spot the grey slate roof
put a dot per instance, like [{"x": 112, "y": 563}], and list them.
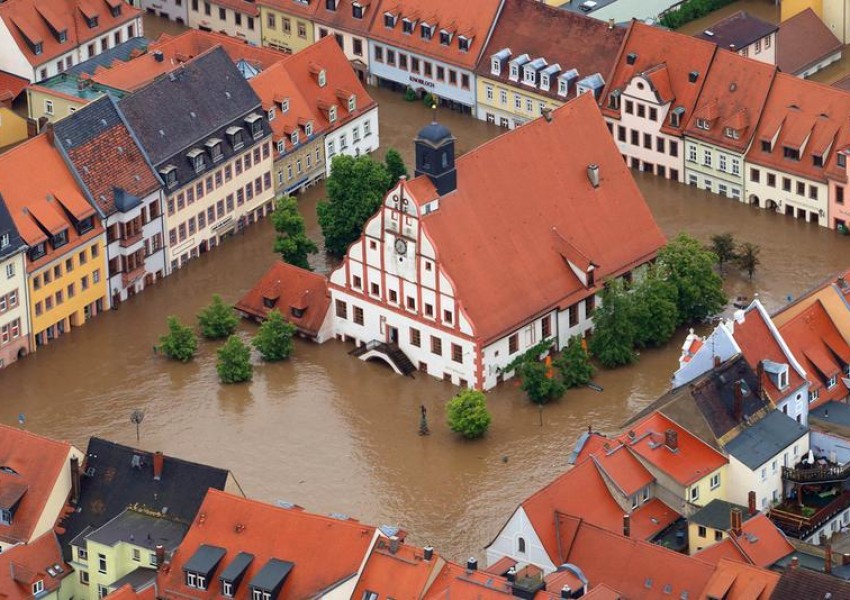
[
  {"x": 188, "y": 105},
  {"x": 271, "y": 576},
  {"x": 137, "y": 579},
  {"x": 87, "y": 123},
  {"x": 105, "y": 59},
  {"x": 234, "y": 571},
  {"x": 7, "y": 225},
  {"x": 205, "y": 559},
  {"x": 757, "y": 444},
  {"x": 832, "y": 412},
  {"x": 716, "y": 514},
  {"x": 142, "y": 530}
]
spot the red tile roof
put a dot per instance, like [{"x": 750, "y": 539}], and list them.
[
  {"x": 455, "y": 581},
  {"x": 43, "y": 199},
  {"x": 325, "y": 551},
  {"x": 495, "y": 217},
  {"x": 693, "y": 460},
  {"x": 343, "y": 16},
  {"x": 294, "y": 79},
  {"x": 562, "y": 37},
  {"x": 11, "y": 86},
  {"x": 736, "y": 88},
  {"x": 761, "y": 544},
  {"x": 665, "y": 58},
  {"x": 798, "y": 109},
  {"x": 724, "y": 550},
  {"x": 815, "y": 341},
  {"x": 757, "y": 341},
  {"x": 31, "y": 464},
  {"x": 141, "y": 70},
  {"x": 637, "y": 569},
  {"x": 803, "y": 41},
  {"x": 128, "y": 593},
  {"x": 24, "y": 565},
  {"x": 735, "y": 581},
  {"x": 288, "y": 286},
  {"x": 474, "y": 20},
  {"x": 626, "y": 471},
  {"x": 27, "y": 20},
  {"x": 401, "y": 574}
]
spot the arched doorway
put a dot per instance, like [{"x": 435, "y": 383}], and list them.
[
  {"x": 771, "y": 205},
  {"x": 754, "y": 201}
]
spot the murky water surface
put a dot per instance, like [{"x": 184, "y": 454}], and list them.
[{"x": 337, "y": 435}]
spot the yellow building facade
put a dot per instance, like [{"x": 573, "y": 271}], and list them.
[
  {"x": 509, "y": 106},
  {"x": 13, "y": 127},
  {"x": 283, "y": 28},
  {"x": 51, "y": 103},
  {"x": 789, "y": 8}
]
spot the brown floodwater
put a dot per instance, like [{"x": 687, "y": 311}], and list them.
[{"x": 334, "y": 434}]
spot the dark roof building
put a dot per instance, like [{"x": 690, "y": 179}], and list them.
[
  {"x": 715, "y": 514},
  {"x": 737, "y": 31},
  {"x": 123, "y": 52},
  {"x": 803, "y": 584},
  {"x": 804, "y": 42},
  {"x": 11, "y": 241},
  {"x": 763, "y": 440},
  {"x": 115, "y": 477}
]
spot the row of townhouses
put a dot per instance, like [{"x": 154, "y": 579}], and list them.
[
  {"x": 130, "y": 188},
  {"x": 122, "y": 523}
]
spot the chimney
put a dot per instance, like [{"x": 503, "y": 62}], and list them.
[
  {"x": 759, "y": 377},
  {"x": 593, "y": 174},
  {"x": 627, "y": 526},
  {"x": 472, "y": 564},
  {"x": 671, "y": 439},
  {"x": 160, "y": 556},
  {"x": 738, "y": 403},
  {"x": 693, "y": 76},
  {"x": 547, "y": 114},
  {"x": 795, "y": 562},
  {"x": 157, "y": 56},
  {"x": 610, "y": 24},
  {"x": 716, "y": 361},
  {"x": 394, "y": 544},
  {"x": 751, "y": 503},
  {"x": 566, "y": 592},
  {"x": 511, "y": 575},
  {"x": 158, "y": 462},
  {"x": 428, "y": 552},
  {"x": 48, "y": 131},
  {"x": 736, "y": 519},
  {"x": 75, "y": 479},
  {"x": 827, "y": 559}
]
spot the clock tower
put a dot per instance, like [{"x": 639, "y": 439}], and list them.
[{"x": 435, "y": 156}]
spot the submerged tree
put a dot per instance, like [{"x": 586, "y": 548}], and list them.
[
  {"x": 654, "y": 310},
  {"x": 614, "y": 332},
  {"x": 217, "y": 320},
  {"x": 395, "y": 166},
  {"x": 690, "y": 267},
  {"x": 467, "y": 414},
  {"x": 723, "y": 246},
  {"x": 180, "y": 343},
  {"x": 274, "y": 337},
  {"x": 574, "y": 364},
  {"x": 748, "y": 258},
  {"x": 234, "y": 361},
  {"x": 292, "y": 242}
]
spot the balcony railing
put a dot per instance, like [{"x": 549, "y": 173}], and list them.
[
  {"x": 825, "y": 474},
  {"x": 129, "y": 240},
  {"x": 790, "y": 518},
  {"x": 130, "y": 277}
]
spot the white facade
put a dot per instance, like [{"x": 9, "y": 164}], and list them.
[
  {"x": 623, "y": 11},
  {"x": 353, "y": 138},
  {"x": 820, "y": 65},
  {"x": 831, "y": 445},
  {"x": 714, "y": 169},
  {"x": 14, "y": 307},
  {"x": 135, "y": 250},
  {"x": 762, "y": 49},
  {"x": 638, "y": 131},
  {"x": 12, "y": 60},
  {"x": 766, "y": 479},
  {"x": 518, "y": 534},
  {"x": 355, "y": 47},
  {"x": 206, "y": 15},
  {"x": 175, "y": 10},
  {"x": 787, "y": 194}
]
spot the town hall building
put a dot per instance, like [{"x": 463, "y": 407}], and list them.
[{"x": 478, "y": 259}]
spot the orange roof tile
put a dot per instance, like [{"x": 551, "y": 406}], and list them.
[
  {"x": 802, "y": 41},
  {"x": 454, "y": 581},
  {"x": 12, "y": 85},
  {"x": 401, "y": 574},
  {"x": 325, "y": 551},
  {"x": 815, "y": 341},
  {"x": 733, "y": 96},
  {"x": 603, "y": 592},
  {"x": 495, "y": 217},
  {"x": 343, "y": 17},
  {"x": 735, "y": 581},
  {"x": 693, "y": 460},
  {"x": 27, "y": 21},
  {"x": 475, "y": 20},
  {"x": 32, "y": 463},
  {"x": 761, "y": 543},
  {"x": 623, "y": 469},
  {"x": 36, "y": 202},
  {"x": 724, "y": 550},
  {"x": 287, "y": 287},
  {"x": 666, "y": 59},
  {"x": 24, "y": 565},
  {"x": 128, "y": 593},
  {"x": 798, "y": 108}
]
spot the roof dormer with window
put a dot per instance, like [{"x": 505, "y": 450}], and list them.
[
  {"x": 198, "y": 570},
  {"x": 408, "y": 25},
  {"x": 565, "y": 82},
  {"x": 426, "y": 31},
  {"x": 498, "y": 59},
  {"x": 169, "y": 175},
  {"x": 213, "y": 146},
  {"x": 357, "y": 10},
  {"x": 445, "y": 37},
  {"x": 331, "y": 4},
  {"x": 516, "y": 65},
  {"x": 196, "y": 159},
  {"x": 255, "y": 124},
  {"x": 390, "y": 20}
]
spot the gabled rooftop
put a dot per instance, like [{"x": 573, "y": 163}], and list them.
[
  {"x": 804, "y": 40},
  {"x": 733, "y": 580},
  {"x": 343, "y": 16},
  {"x": 23, "y": 566},
  {"x": 756, "y": 444},
  {"x": 737, "y": 31},
  {"x": 761, "y": 544}
]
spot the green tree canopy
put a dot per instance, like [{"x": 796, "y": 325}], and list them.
[
  {"x": 356, "y": 188},
  {"x": 537, "y": 384},
  {"x": 234, "y": 361},
  {"x": 292, "y": 242},
  {"x": 748, "y": 258},
  {"x": 180, "y": 343},
  {"x": 274, "y": 337},
  {"x": 654, "y": 310},
  {"x": 467, "y": 414},
  {"x": 614, "y": 331},
  {"x": 217, "y": 320},
  {"x": 395, "y": 166},
  {"x": 690, "y": 267},
  {"x": 723, "y": 246},
  {"x": 574, "y": 364}
]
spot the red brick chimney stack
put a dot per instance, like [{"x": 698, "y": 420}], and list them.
[{"x": 158, "y": 463}]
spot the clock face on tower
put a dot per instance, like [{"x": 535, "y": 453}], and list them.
[{"x": 400, "y": 246}]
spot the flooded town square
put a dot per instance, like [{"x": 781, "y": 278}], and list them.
[{"x": 333, "y": 434}]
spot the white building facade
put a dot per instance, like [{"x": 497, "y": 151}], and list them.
[
  {"x": 352, "y": 136},
  {"x": 14, "y": 304}
]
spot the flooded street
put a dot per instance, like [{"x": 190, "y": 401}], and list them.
[{"x": 333, "y": 434}]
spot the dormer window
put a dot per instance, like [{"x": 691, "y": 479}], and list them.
[
  {"x": 356, "y": 11},
  {"x": 296, "y": 312},
  {"x": 733, "y": 134},
  {"x": 60, "y": 239},
  {"x": 407, "y": 25},
  {"x": 817, "y": 161},
  {"x": 783, "y": 379},
  {"x": 169, "y": 176},
  {"x": 62, "y": 36},
  {"x": 332, "y": 114},
  {"x": 308, "y": 128},
  {"x": 330, "y": 4},
  {"x": 676, "y": 116},
  {"x": 766, "y": 146},
  {"x": 4, "y": 240},
  {"x": 323, "y": 80},
  {"x": 271, "y": 113},
  {"x": 255, "y": 123},
  {"x": 544, "y": 81},
  {"x": 390, "y": 20},
  {"x": 91, "y": 22},
  {"x": 792, "y": 153},
  {"x": 236, "y": 136},
  {"x": 115, "y": 10},
  {"x": 196, "y": 159},
  {"x": 284, "y": 106},
  {"x": 294, "y": 138},
  {"x": 281, "y": 147},
  {"x": 464, "y": 43},
  {"x": 214, "y": 148},
  {"x": 426, "y": 31},
  {"x": 614, "y": 100},
  {"x": 514, "y": 72},
  {"x": 38, "y": 587},
  {"x": 352, "y": 104},
  {"x": 269, "y": 302},
  {"x": 37, "y": 48},
  {"x": 85, "y": 225},
  {"x": 35, "y": 252},
  {"x": 529, "y": 76},
  {"x": 496, "y": 66},
  {"x": 831, "y": 382},
  {"x": 703, "y": 124},
  {"x": 445, "y": 37},
  {"x": 563, "y": 87},
  {"x": 842, "y": 160}
]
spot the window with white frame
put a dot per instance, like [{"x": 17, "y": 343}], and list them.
[
  {"x": 48, "y": 107},
  {"x": 271, "y": 113},
  {"x": 352, "y": 104},
  {"x": 694, "y": 495},
  {"x": 281, "y": 146},
  {"x": 692, "y": 153},
  {"x": 562, "y": 87},
  {"x": 721, "y": 162},
  {"x": 308, "y": 128},
  {"x": 323, "y": 79},
  {"x": 495, "y": 66},
  {"x": 284, "y": 105},
  {"x": 714, "y": 482},
  {"x": 831, "y": 382},
  {"x": 706, "y": 157},
  {"x": 514, "y": 72},
  {"x": 703, "y": 124},
  {"x": 332, "y": 114},
  {"x": 294, "y": 138}
]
